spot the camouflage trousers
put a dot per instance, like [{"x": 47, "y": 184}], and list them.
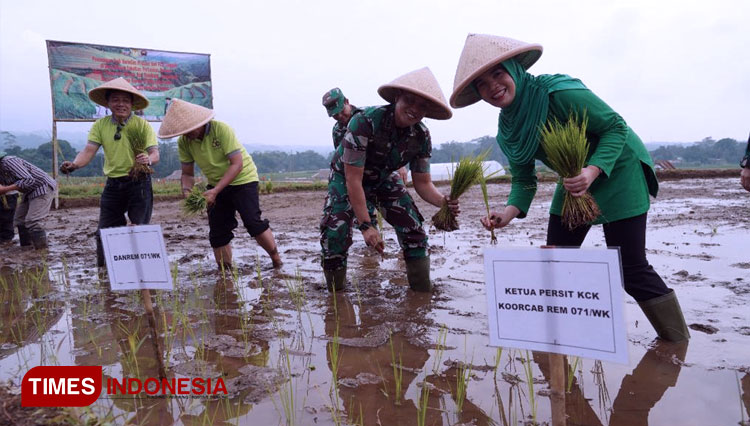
[{"x": 396, "y": 206}]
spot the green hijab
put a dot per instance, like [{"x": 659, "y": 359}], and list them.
[{"x": 519, "y": 123}]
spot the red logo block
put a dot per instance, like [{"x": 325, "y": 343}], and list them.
[{"x": 61, "y": 386}]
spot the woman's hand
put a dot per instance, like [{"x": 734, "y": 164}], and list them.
[
  {"x": 578, "y": 185},
  {"x": 500, "y": 220}
]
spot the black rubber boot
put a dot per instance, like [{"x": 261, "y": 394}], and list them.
[
  {"x": 335, "y": 279},
  {"x": 39, "y": 239},
  {"x": 24, "y": 238},
  {"x": 665, "y": 315},
  {"x": 100, "y": 262},
  {"x": 418, "y": 274}
]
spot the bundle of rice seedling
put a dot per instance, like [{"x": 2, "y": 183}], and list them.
[
  {"x": 137, "y": 137},
  {"x": 195, "y": 203},
  {"x": 566, "y": 147},
  {"x": 468, "y": 172},
  {"x": 483, "y": 183}
]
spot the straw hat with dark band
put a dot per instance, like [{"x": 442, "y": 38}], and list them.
[
  {"x": 481, "y": 53},
  {"x": 183, "y": 117},
  {"x": 424, "y": 84},
  {"x": 99, "y": 94}
]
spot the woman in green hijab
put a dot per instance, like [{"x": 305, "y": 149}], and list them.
[{"x": 619, "y": 171}]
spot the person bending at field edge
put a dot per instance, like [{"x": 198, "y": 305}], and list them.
[{"x": 231, "y": 173}]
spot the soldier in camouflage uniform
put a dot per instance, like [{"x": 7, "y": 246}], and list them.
[
  {"x": 338, "y": 107},
  {"x": 379, "y": 141},
  {"x": 341, "y": 110}
]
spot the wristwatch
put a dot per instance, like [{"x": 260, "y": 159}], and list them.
[
  {"x": 364, "y": 226},
  {"x": 745, "y": 163}
]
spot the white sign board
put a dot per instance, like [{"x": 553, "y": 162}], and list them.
[
  {"x": 136, "y": 258},
  {"x": 567, "y": 301}
]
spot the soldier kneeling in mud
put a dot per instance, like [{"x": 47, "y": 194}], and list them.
[{"x": 379, "y": 141}]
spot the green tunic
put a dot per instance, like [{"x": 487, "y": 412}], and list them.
[{"x": 622, "y": 189}]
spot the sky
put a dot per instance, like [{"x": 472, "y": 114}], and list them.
[{"x": 675, "y": 70}]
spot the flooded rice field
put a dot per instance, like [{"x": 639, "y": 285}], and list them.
[{"x": 377, "y": 353}]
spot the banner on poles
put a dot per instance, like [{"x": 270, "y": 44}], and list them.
[
  {"x": 76, "y": 68},
  {"x": 566, "y": 301},
  {"x": 136, "y": 258}
]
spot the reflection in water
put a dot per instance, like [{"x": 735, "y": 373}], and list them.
[
  {"x": 28, "y": 310},
  {"x": 639, "y": 392},
  {"x": 646, "y": 385},
  {"x": 381, "y": 372}
]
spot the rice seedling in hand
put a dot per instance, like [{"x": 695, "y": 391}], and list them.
[
  {"x": 468, "y": 172},
  {"x": 195, "y": 203},
  {"x": 483, "y": 184},
  {"x": 566, "y": 148},
  {"x": 137, "y": 138}
]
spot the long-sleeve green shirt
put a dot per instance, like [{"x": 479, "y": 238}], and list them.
[{"x": 622, "y": 189}]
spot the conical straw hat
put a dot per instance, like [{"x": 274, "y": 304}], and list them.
[
  {"x": 98, "y": 94},
  {"x": 183, "y": 117},
  {"x": 422, "y": 83},
  {"x": 481, "y": 53}
]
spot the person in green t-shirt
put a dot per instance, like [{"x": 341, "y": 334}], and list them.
[
  {"x": 122, "y": 193},
  {"x": 619, "y": 173},
  {"x": 231, "y": 174}
]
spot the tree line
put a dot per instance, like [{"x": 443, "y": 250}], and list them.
[{"x": 708, "y": 152}]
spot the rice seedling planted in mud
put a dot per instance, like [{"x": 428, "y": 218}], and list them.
[
  {"x": 137, "y": 137},
  {"x": 424, "y": 398},
  {"x": 528, "y": 369},
  {"x": 566, "y": 148},
  {"x": 440, "y": 346},
  {"x": 195, "y": 203},
  {"x": 398, "y": 371},
  {"x": 468, "y": 172}
]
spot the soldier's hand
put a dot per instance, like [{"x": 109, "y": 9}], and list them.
[
  {"x": 372, "y": 239},
  {"x": 403, "y": 174},
  {"x": 452, "y": 205},
  {"x": 67, "y": 167}
]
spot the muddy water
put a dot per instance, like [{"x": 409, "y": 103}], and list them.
[{"x": 377, "y": 353}]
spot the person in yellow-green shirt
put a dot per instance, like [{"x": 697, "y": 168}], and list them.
[
  {"x": 231, "y": 174},
  {"x": 122, "y": 194}
]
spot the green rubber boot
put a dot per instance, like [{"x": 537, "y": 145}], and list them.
[
  {"x": 335, "y": 279},
  {"x": 665, "y": 315},
  {"x": 418, "y": 274}
]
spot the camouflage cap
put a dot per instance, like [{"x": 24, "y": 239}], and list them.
[{"x": 333, "y": 100}]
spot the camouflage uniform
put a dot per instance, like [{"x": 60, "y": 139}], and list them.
[
  {"x": 339, "y": 131},
  {"x": 374, "y": 142}
]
